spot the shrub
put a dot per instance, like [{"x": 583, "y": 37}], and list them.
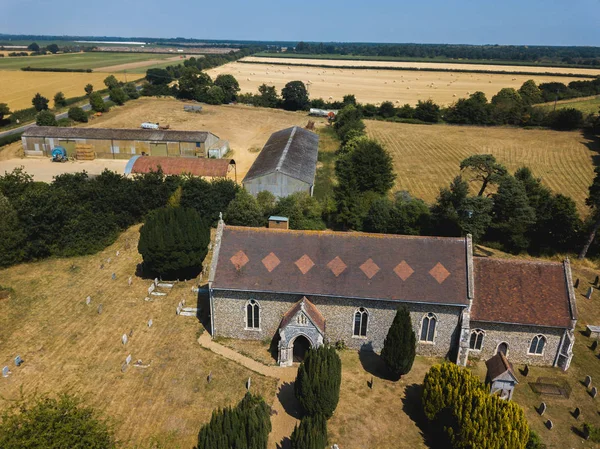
[
  {"x": 592, "y": 431},
  {"x": 427, "y": 111},
  {"x": 55, "y": 423},
  {"x": 46, "y": 118},
  {"x": 78, "y": 114},
  {"x": 131, "y": 91},
  {"x": 64, "y": 122},
  {"x": 245, "y": 426},
  {"x": 118, "y": 96},
  {"x": 565, "y": 119},
  {"x": 317, "y": 385},
  {"x": 311, "y": 434},
  {"x": 399, "y": 347},
  {"x": 215, "y": 95},
  {"x": 10, "y": 139},
  {"x": 97, "y": 103},
  {"x": 173, "y": 243},
  {"x": 244, "y": 211},
  {"x": 40, "y": 103},
  {"x": 4, "y": 110}
]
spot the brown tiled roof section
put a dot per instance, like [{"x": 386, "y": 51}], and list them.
[
  {"x": 154, "y": 135},
  {"x": 310, "y": 309},
  {"x": 521, "y": 292},
  {"x": 498, "y": 365},
  {"x": 345, "y": 265},
  {"x": 182, "y": 165}
]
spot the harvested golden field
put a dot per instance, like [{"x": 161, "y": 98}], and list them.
[
  {"x": 428, "y": 157},
  {"x": 374, "y": 85},
  {"x": 426, "y": 65},
  {"x": 17, "y": 88},
  {"x": 68, "y": 346},
  {"x": 245, "y": 127}
]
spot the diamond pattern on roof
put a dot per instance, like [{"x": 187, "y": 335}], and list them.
[
  {"x": 271, "y": 261},
  {"x": 239, "y": 259},
  {"x": 403, "y": 270},
  {"x": 304, "y": 264},
  {"x": 337, "y": 266},
  {"x": 439, "y": 273},
  {"x": 370, "y": 268}
]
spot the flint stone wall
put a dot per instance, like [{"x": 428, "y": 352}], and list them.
[
  {"x": 230, "y": 320},
  {"x": 519, "y": 339}
]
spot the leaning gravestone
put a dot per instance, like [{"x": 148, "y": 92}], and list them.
[
  {"x": 124, "y": 339},
  {"x": 99, "y": 309},
  {"x": 588, "y": 381},
  {"x": 124, "y": 367},
  {"x": 576, "y": 283},
  {"x": 128, "y": 359},
  {"x": 542, "y": 409},
  {"x": 549, "y": 424},
  {"x": 114, "y": 276},
  {"x": 209, "y": 378},
  {"x": 150, "y": 322},
  {"x": 526, "y": 371},
  {"x": 577, "y": 413},
  {"x": 88, "y": 300},
  {"x": 597, "y": 280},
  {"x": 589, "y": 293},
  {"x": 594, "y": 345},
  {"x": 248, "y": 383},
  {"x": 5, "y": 371},
  {"x": 594, "y": 392},
  {"x": 18, "y": 360}
]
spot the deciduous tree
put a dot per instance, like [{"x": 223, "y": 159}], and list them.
[
  {"x": 230, "y": 87},
  {"x": 45, "y": 118},
  {"x": 40, "y": 103},
  {"x": 295, "y": 96},
  {"x": 59, "y": 100},
  {"x": 484, "y": 168},
  {"x": 111, "y": 82},
  {"x": 4, "y": 110}
]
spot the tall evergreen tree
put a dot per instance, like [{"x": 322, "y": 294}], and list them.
[
  {"x": 399, "y": 347},
  {"x": 311, "y": 434},
  {"x": 593, "y": 202}
]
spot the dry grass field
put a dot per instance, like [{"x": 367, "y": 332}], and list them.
[
  {"x": 427, "y": 157},
  {"x": 17, "y": 88},
  {"x": 68, "y": 347},
  {"x": 374, "y": 85}
]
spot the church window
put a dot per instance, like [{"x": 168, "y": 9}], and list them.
[
  {"x": 361, "y": 319},
  {"x": 428, "y": 327},
  {"x": 537, "y": 345},
  {"x": 252, "y": 315},
  {"x": 476, "y": 341}
]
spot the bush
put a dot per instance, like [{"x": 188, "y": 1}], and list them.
[
  {"x": 118, "y": 96},
  {"x": 246, "y": 426},
  {"x": 40, "y": 103},
  {"x": 592, "y": 431},
  {"x": 215, "y": 95},
  {"x": 78, "y": 114},
  {"x": 427, "y": 111},
  {"x": 565, "y": 119},
  {"x": 64, "y": 122},
  {"x": 97, "y": 103},
  {"x": 174, "y": 242},
  {"x": 23, "y": 115},
  {"x": 46, "y": 118},
  {"x": 55, "y": 423},
  {"x": 10, "y": 139},
  {"x": 317, "y": 385},
  {"x": 244, "y": 211},
  {"x": 399, "y": 347},
  {"x": 311, "y": 434},
  {"x": 131, "y": 91}
]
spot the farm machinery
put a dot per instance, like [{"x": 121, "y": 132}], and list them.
[{"x": 59, "y": 154}]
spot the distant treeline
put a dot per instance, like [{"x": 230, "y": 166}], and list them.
[
  {"x": 589, "y": 56},
  {"x": 56, "y": 69}
]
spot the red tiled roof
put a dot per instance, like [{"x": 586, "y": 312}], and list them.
[
  {"x": 521, "y": 292},
  {"x": 310, "y": 310},
  {"x": 182, "y": 165},
  {"x": 377, "y": 266},
  {"x": 498, "y": 365}
]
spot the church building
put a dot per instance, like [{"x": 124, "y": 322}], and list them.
[{"x": 306, "y": 288}]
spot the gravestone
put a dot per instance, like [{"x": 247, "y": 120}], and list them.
[
  {"x": 371, "y": 384},
  {"x": 594, "y": 345},
  {"x": 18, "y": 360},
  {"x": 102, "y": 266},
  {"x": 588, "y": 381},
  {"x": 594, "y": 392},
  {"x": 150, "y": 322},
  {"x": 526, "y": 371},
  {"x": 118, "y": 252},
  {"x": 209, "y": 378},
  {"x": 124, "y": 339},
  {"x": 124, "y": 367},
  {"x": 576, "y": 283},
  {"x": 5, "y": 371},
  {"x": 542, "y": 409},
  {"x": 99, "y": 309},
  {"x": 130, "y": 333},
  {"x": 549, "y": 424},
  {"x": 114, "y": 276},
  {"x": 248, "y": 383},
  {"x": 577, "y": 413},
  {"x": 128, "y": 359},
  {"x": 588, "y": 295},
  {"x": 88, "y": 300}
]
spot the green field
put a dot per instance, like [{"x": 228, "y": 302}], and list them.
[
  {"x": 90, "y": 60},
  {"x": 587, "y": 105}
]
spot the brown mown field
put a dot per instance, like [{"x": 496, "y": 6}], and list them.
[{"x": 427, "y": 157}]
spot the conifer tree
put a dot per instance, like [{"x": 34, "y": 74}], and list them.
[
  {"x": 311, "y": 434},
  {"x": 399, "y": 347}
]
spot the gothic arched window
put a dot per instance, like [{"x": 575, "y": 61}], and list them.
[
  {"x": 428, "y": 327},
  {"x": 361, "y": 320},
  {"x": 252, "y": 315}
]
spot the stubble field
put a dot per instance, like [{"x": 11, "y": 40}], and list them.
[
  {"x": 375, "y": 85},
  {"x": 427, "y": 158}
]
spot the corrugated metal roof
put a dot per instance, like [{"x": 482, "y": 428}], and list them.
[
  {"x": 292, "y": 151},
  {"x": 179, "y": 165},
  {"x": 153, "y": 135}
]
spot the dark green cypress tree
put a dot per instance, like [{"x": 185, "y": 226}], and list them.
[
  {"x": 318, "y": 381},
  {"x": 311, "y": 434},
  {"x": 399, "y": 347}
]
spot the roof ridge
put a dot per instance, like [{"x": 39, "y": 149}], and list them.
[
  {"x": 287, "y": 147},
  {"x": 515, "y": 261}
]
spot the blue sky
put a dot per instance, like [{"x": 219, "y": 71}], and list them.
[{"x": 533, "y": 22}]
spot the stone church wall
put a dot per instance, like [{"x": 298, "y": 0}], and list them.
[
  {"x": 230, "y": 320},
  {"x": 519, "y": 339}
]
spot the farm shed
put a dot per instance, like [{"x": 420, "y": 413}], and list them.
[
  {"x": 210, "y": 168},
  {"x": 286, "y": 164},
  {"x": 114, "y": 143}
]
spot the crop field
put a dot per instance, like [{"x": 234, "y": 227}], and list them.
[
  {"x": 587, "y": 105},
  {"x": 18, "y": 88},
  {"x": 68, "y": 346},
  {"x": 375, "y": 85},
  {"x": 427, "y": 157}
]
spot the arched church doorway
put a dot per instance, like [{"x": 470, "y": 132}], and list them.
[
  {"x": 502, "y": 348},
  {"x": 301, "y": 345}
]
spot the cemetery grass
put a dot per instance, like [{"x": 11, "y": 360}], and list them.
[
  {"x": 427, "y": 157},
  {"x": 68, "y": 347}
]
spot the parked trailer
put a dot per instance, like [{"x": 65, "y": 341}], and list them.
[
  {"x": 148, "y": 125},
  {"x": 323, "y": 112}
]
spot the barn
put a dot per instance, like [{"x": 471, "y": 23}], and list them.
[
  {"x": 286, "y": 164},
  {"x": 114, "y": 143},
  {"x": 202, "y": 167}
]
